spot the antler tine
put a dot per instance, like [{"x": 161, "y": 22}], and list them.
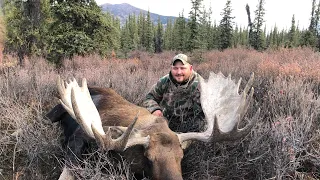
[
  {"x": 235, "y": 133},
  {"x": 249, "y": 84},
  {"x": 106, "y": 141},
  {"x": 247, "y": 128},
  {"x": 121, "y": 143},
  {"x": 238, "y": 85},
  {"x": 138, "y": 141},
  {"x": 246, "y": 103},
  {"x": 83, "y": 121},
  {"x": 246, "y": 100},
  {"x": 85, "y": 87},
  {"x": 65, "y": 93},
  {"x": 61, "y": 87}
]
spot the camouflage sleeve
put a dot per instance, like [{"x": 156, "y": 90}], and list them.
[
  {"x": 154, "y": 97},
  {"x": 197, "y": 103}
]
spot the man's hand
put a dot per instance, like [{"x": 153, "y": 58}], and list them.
[{"x": 157, "y": 113}]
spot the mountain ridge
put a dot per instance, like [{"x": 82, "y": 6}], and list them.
[{"x": 123, "y": 10}]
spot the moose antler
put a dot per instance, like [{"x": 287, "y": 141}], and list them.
[
  {"x": 224, "y": 108},
  {"x": 78, "y": 103}
]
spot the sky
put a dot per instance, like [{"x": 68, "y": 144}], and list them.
[{"x": 277, "y": 12}]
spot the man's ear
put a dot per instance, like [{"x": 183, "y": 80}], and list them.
[{"x": 191, "y": 68}]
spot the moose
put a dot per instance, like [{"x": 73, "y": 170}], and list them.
[{"x": 93, "y": 114}]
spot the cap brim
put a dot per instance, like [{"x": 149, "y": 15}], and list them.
[{"x": 183, "y": 61}]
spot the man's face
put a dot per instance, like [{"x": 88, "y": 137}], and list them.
[{"x": 181, "y": 72}]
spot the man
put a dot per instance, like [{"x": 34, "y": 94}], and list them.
[{"x": 176, "y": 96}]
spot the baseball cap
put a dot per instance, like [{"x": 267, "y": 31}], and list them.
[{"x": 182, "y": 57}]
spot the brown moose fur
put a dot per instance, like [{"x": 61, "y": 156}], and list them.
[{"x": 114, "y": 110}]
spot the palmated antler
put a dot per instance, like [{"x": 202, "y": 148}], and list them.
[
  {"x": 224, "y": 108},
  {"x": 78, "y": 103}
]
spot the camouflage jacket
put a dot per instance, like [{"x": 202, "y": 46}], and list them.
[{"x": 179, "y": 103}]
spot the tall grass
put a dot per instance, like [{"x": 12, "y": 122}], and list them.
[{"x": 284, "y": 144}]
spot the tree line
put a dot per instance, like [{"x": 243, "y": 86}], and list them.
[{"x": 59, "y": 29}]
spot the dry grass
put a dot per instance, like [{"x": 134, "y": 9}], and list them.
[{"x": 285, "y": 144}]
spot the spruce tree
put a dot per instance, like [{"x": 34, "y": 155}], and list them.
[
  {"x": 309, "y": 37},
  {"x": 212, "y": 32},
  {"x": 168, "y": 35},
  {"x": 27, "y": 26},
  {"x": 215, "y": 36},
  {"x": 180, "y": 33},
  {"x": 125, "y": 39},
  {"x": 292, "y": 38},
  {"x": 281, "y": 38},
  {"x": 317, "y": 33},
  {"x": 264, "y": 37},
  {"x": 226, "y": 27},
  {"x": 274, "y": 38},
  {"x": 80, "y": 28},
  {"x": 204, "y": 24},
  {"x": 141, "y": 31},
  {"x": 133, "y": 31},
  {"x": 236, "y": 37},
  {"x": 243, "y": 37},
  {"x": 193, "y": 38},
  {"x": 313, "y": 23},
  {"x": 149, "y": 34},
  {"x": 158, "y": 40},
  {"x": 257, "y": 32}
]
